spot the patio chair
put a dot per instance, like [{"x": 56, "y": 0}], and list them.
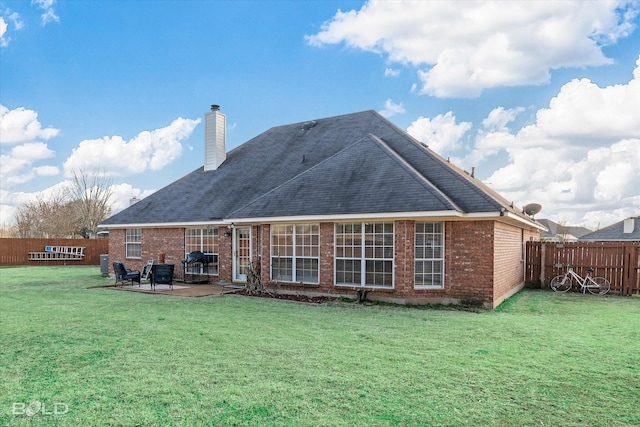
[{"x": 123, "y": 274}]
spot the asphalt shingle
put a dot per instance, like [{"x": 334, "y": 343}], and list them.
[
  {"x": 354, "y": 163},
  {"x": 615, "y": 232}
]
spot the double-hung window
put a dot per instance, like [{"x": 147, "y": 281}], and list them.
[
  {"x": 133, "y": 243},
  {"x": 364, "y": 254},
  {"x": 206, "y": 241},
  {"x": 429, "y": 254},
  {"x": 295, "y": 253}
]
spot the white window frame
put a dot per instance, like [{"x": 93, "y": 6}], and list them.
[
  {"x": 304, "y": 246},
  {"x": 426, "y": 245},
  {"x": 199, "y": 234},
  {"x": 133, "y": 243},
  {"x": 365, "y": 248}
]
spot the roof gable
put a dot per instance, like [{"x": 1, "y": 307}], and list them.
[{"x": 362, "y": 178}]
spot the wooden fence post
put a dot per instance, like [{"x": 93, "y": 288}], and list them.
[
  {"x": 630, "y": 269},
  {"x": 543, "y": 251}
]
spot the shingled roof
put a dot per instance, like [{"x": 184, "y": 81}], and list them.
[
  {"x": 626, "y": 230},
  {"x": 356, "y": 163}
]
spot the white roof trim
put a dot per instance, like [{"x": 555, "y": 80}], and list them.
[
  {"x": 433, "y": 215},
  {"x": 164, "y": 224},
  {"x": 342, "y": 217}
]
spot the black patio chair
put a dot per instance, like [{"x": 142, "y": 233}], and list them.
[{"x": 123, "y": 274}]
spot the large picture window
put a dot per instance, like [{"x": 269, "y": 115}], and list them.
[
  {"x": 295, "y": 253},
  {"x": 429, "y": 254},
  {"x": 364, "y": 254},
  {"x": 206, "y": 241},
  {"x": 133, "y": 243}
]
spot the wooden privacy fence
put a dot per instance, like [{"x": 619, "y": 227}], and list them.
[
  {"x": 617, "y": 261},
  {"x": 16, "y": 251}
]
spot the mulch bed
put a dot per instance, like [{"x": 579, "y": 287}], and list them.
[{"x": 288, "y": 297}]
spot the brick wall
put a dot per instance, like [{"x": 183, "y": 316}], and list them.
[
  {"x": 154, "y": 240},
  {"x": 265, "y": 252},
  {"x": 508, "y": 261},
  {"x": 469, "y": 260},
  {"x": 225, "y": 254},
  {"x": 404, "y": 250},
  {"x": 468, "y": 266},
  {"x": 326, "y": 256},
  {"x": 116, "y": 248},
  {"x": 483, "y": 261},
  {"x": 167, "y": 240}
]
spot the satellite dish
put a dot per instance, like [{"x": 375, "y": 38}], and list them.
[{"x": 532, "y": 208}]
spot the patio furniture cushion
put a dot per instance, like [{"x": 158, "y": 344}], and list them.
[{"x": 123, "y": 274}]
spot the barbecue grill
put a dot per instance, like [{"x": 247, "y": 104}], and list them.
[{"x": 196, "y": 267}]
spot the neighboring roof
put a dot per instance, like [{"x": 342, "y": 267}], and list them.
[
  {"x": 615, "y": 232},
  {"x": 565, "y": 232},
  {"x": 349, "y": 164}
]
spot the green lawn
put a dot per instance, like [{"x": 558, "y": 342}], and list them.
[{"x": 124, "y": 359}]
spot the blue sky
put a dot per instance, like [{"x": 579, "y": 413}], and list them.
[{"x": 542, "y": 98}]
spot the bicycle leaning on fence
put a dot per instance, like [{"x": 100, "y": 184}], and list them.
[{"x": 595, "y": 285}]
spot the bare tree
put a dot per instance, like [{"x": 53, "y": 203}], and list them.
[
  {"x": 73, "y": 211},
  {"x": 51, "y": 217},
  {"x": 90, "y": 193}
]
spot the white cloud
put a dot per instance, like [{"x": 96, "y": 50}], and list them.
[
  {"x": 4, "y": 41},
  {"x": 499, "y": 118},
  {"x": 490, "y": 140},
  {"x": 440, "y": 133},
  {"x": 148, "y": 150},
  {"x": 14, "y": 17},
  {"x": 20, "y": 130},
  {"x": 11, "y": 201},
  {"x": 8, "y": 17},
  {"x": 7, "y": 208},
  {"x": 586, "y": 112},
  {"x": 391, "y": 72},
  {"x": 16, "y": 166},
  {"x": 21, "y": 125},
  {"x": 31, "y": 151},
  {"x": 123, "y": 193},
  {"x": 11, "y": 169},
  {"x": 469, "y": 46},
  {"x": 581, "y": 156},
  {"x": 391, "y": 109},
  {"x": 46, "y": 170},
  {"x": 48, "y": 14}
]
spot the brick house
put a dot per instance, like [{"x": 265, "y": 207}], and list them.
[{"x": 330, "y": 207}]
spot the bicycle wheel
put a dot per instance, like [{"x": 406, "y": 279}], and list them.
[
  {"x": 561, "y": 283},
  {"x": 599, "y": 286}
]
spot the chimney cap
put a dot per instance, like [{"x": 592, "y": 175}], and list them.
[{"x": 215, "y": 107}]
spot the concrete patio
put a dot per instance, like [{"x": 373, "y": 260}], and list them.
[{"x": 180, "y": 289}]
